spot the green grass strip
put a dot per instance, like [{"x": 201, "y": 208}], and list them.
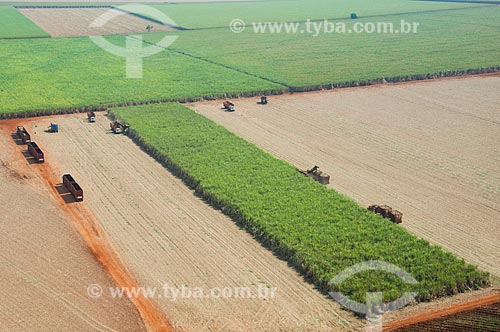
[{"x": 318, "y": 230}]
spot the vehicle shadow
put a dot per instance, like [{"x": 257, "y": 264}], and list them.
[
  {"x": 65, "y": 193},
  {"x": 29, "y": 158},
  {"x": 16, "y": 139}
]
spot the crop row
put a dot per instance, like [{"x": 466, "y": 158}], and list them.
[{"x": 318, "y": 230}]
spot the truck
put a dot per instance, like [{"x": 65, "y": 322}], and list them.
[
  {"x": 36, "y": 152},
  {"x": 119, "y": 128},
  {"x": 73, "y": 187},
  {"x": 91, "y": 116},
  {"x": 23, "y": 134}
]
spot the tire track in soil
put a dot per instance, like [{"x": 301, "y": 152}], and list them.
[{"x": 99, "y": 244}]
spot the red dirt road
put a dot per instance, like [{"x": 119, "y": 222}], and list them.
[{"x": 441, "y": 312}]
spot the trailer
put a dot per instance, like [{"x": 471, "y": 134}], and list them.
[
  {"x": 73, "y": 187},
  {"x": 387, "y": 212},
  {"x": 36, "y": 152},
  {"x": 23, "y": 134}
]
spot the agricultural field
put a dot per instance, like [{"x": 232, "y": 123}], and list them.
[
  {"x": 68, "y": 22},
  {"x": 318, "y": 230},
  {"x": 167, "y": 236},
  {"x": 194, "y": 198},
  {"x": 437, "y": 162},
  {"x": 211, "y": 15},
  {"x": 65, "y": 73},
  {"x": 45, "y": 266},
  {"x": 302, "y": 60},
  {"x": 13, "y": 24},
  {"x": 68, "y": 73}
]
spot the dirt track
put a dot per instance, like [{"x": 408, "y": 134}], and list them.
[
  {"x": 69, "y": 22},
  {"x": 429, "y": 149},
  {"x": 167, "y": 236},
  {"x": 45, "y": 267}
]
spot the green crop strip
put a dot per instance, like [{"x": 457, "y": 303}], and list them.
[
  {"x": 445, "y": 41},
  {"x": 318, "y": 230},
  {"x": 73, "y": 73},
  {"x": 13, "y": 24}
]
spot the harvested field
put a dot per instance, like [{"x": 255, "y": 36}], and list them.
[
  {"x": 430, "y": 150},
  {"x": 69, "y": 22},
  {"x": 167, "y": 236},
  {"x": 45, "y": 266}
]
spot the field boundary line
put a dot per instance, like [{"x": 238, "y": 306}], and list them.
[
  {"x": 60, "y": 6},
  {"x": 30, "y": 37},
  {"x": 150, "y": 19},
  {"x": 200, "y": 58},
  {"x": 271, "y": 92}
]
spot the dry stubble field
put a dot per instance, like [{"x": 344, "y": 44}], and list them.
[
  {"x": 166, "y": 235},
  {"x": 429, "y": 149},
  {"x": 68, "y": 22},
  {"x": 44, "y": 261}
]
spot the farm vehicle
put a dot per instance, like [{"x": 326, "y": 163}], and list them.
[
  {"x": 53, "y": 128},
  {"x": 91, "y": 116},
  {"x": 316, "y": 174},
  {"x": 387, "y": 212},
  {"x": 119, "y": 128},
  {"x": 36, "y": 152},
  {"x": 73, "y": 187},
  {"x": 23, "y": 134},
  {"x": 228, "y": 106}
]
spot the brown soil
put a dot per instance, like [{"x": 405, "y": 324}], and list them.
[
  {"x": 167, "y": 236},
  {"x": 45, "y": 266},
  {"x": 430, "y": 150},
  {"x": 68, "y": 22}
]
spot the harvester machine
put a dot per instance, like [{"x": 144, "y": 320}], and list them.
[
  {"x": 228, "y": 106},
  {"x": 91, "y": 116},
  {"x": 119, "y": 128},
  {"x": 316, "y": 174}
]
